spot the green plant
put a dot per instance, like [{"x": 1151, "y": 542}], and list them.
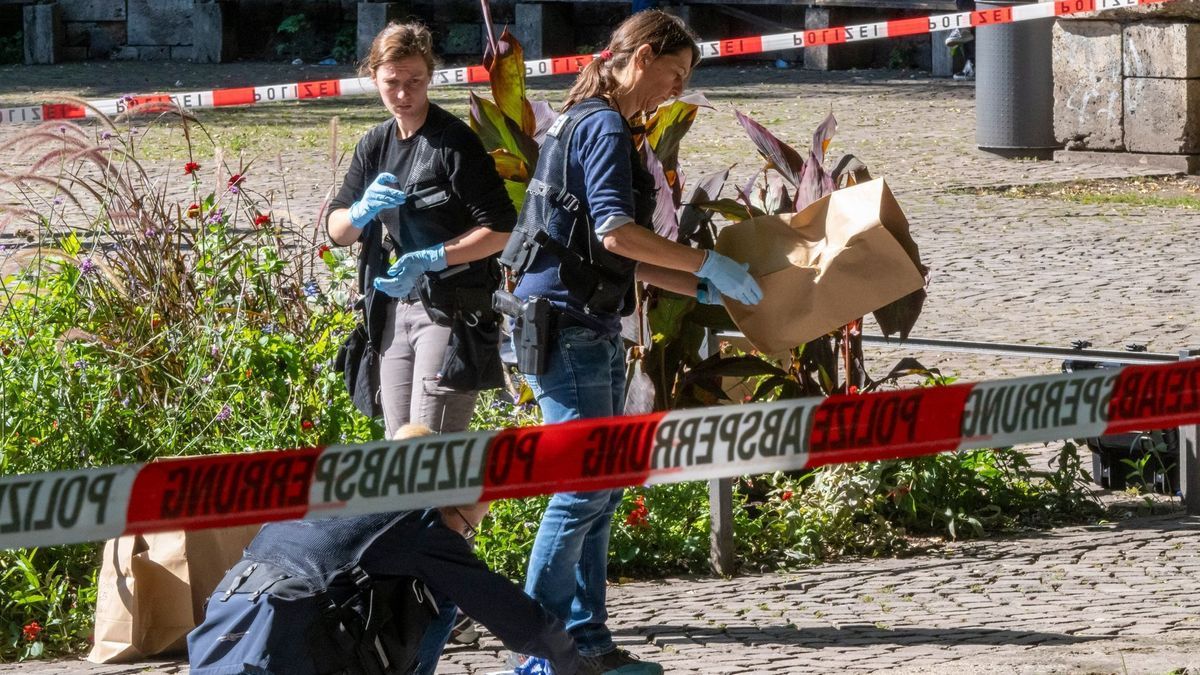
[
  {"x": 12, "y": 48},
  {"x": 137, "y": 326},
  {"x": 292, "y": 35},
  {"x": 345, "y": 44},
  {"x": 44, "y": 608}
]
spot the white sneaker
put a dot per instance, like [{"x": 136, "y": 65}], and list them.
[
  {"x": 968, "y": 72},
  {"x": 960, "y": 36}
]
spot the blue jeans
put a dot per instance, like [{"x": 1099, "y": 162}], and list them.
[{"x": 568, "y": 567}]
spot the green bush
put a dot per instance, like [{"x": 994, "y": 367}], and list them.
[{"x": 158, "y": 329}]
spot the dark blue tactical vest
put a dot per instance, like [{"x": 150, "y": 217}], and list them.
[{"x": 596, "y": 281}]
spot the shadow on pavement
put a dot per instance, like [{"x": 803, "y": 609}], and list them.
[{"x": 848, "y": 635}]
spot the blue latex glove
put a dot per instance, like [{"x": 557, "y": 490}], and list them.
[
  {"x": 707, "y": 293},
  {"x": 534, "y": 665},
  {"x": 731, "y": 278},
  {"x": 377, "y": 198},
  {"x": 403, "y": 275}
]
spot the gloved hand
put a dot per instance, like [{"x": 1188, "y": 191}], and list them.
[
  {"x": 403, "y": 275},
  {"x": 534, "y": 665},
  {"x": 730, "y": 277},
  {"x": 377, "y": 198},
  {"x": 707, "y": 293}
]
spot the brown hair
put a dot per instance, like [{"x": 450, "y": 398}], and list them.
[
  {"x": 398, "y": 41},
  {"x": 665, "y": 33}
]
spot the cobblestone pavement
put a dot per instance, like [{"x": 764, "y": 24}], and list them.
[
  {"x": 1038, "y": 271},
  {"x": 1106, "y": 599}
]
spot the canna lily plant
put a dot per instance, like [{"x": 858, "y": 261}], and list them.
[{"x": 667, "y": 331}]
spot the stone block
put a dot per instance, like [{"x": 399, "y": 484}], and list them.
[
  {"x": 44, "y": 34},
  {"x": 160, "y": 22},
  {"x": 1177, "y": 163},
  {"x": 462, "y": 38},
  {"x": 184, "y": 53},
  {"x": 1162, "y": 115},
  {"x": 98, "y": 39},
  {"x": 1158, "y": 49},
  {"x": 1089, "y": 111},
  {"x": 94, "y": 10},
  {"x": 155, "y": 53},
  {"x": 545, "y": 29},
  {"x": 125, "y": 53},
  {"x": 941, "y": 58},
  {"x": 837, "y": 57},
  {"x": 1165, "y": 11},
  {"x": 372, "y": 18},
  {"x": 214, "y": 32}
]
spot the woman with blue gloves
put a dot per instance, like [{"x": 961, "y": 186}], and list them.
[
  {"x": 422, "y": 191},
  {"x": 591, "y": 195},
  {"x": 423, "y": 199}
]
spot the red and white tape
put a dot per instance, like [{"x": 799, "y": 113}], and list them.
[
  {"x": 201, "y": 492},
  {"x": 819, "y": 37}
]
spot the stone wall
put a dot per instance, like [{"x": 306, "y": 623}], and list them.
[
  {"x": 1130, "y": 81},
  {"x": 184, "y": 29}
]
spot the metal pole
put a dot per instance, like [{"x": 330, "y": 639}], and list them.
[
  {"x": 1007, "y": 349},
  {"x": 1189, "y": 455},
  {"x": 720, "y": 501}
]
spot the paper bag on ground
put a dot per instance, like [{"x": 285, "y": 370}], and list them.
[
  {"x": 846, "y": 255},
  {"x": 152, "y": 588}
]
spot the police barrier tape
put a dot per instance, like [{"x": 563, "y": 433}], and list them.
[
  {"x": 202, "y": 492},
  {"x": 817, "y": 37}
]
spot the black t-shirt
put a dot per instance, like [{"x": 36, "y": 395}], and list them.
[{"x": 444, "y": 153}]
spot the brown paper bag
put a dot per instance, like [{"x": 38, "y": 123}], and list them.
[
  {"x": 152, "y": 589},
  {"x": 846, "y": 255}
]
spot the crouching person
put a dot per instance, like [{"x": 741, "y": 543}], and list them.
[{"x": 354, "y": 595}]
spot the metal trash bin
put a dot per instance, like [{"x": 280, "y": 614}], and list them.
[{"x": 1014, "y": 86}]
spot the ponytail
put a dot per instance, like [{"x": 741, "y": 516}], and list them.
[{"x": 665, "y": 33}]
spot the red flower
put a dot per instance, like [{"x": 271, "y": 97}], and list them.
[
  {"x": 852, "y": 389},
  {"x": 306, "y": 425},
  {"x": 32, "y": 630},
  {"x": 193, "y": 210},
  {"x": 236, "y": 179},
  {"x": 261, "y": 219},
  {"x": 640, "y": 515},
  {"x": 249, "y": 372},
  {"x": 786, "y": 495},
  {"x": 322, "y": 251},
  {"x": 190, "y": 168},
  {"x": 33, "y": 440}
]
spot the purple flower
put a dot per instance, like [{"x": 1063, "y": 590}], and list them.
[
  {"x": 79, "y": 365},
  {"x": 150, "y": 232},
  {"x": 214, "y": 351},
  {"x": 226, "y": 413},
  {"x": 233, "y": 189},
  {"x": 268, "y": 329},
  {"x": 215, "y": 216},
  {"x": 318, "y": 368},
  {"x": 311, "y": 289},
  {"x": 106, "y": 135},
  {"x": 207, "y": 379},
  {"x": 58, "y": 200},
  {"x": 87, "y": 266}
]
